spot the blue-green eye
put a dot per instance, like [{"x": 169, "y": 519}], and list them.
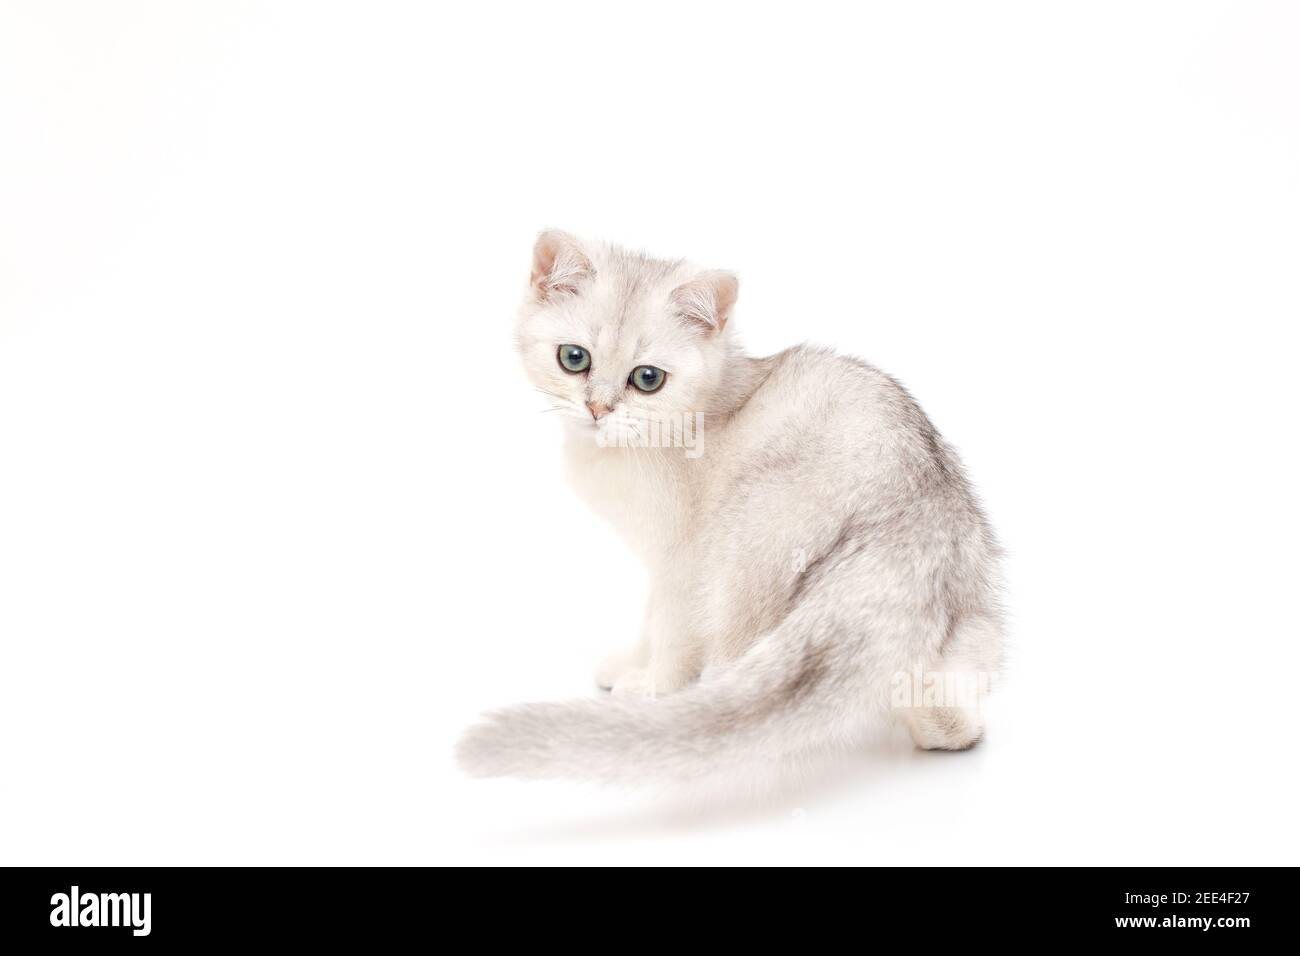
[
  {"x": 648, "y": 378},
  {"x": 574, "y": 358}
]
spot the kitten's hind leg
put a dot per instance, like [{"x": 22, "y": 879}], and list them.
[{"x": 962, "y": 679}]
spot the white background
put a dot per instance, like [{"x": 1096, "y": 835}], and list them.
[{"x": 278, "y": 515}]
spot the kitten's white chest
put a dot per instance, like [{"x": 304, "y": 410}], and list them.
[{"x": 640, "y": 491}]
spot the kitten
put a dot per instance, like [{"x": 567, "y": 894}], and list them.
[{"x": 810, "y": 538}]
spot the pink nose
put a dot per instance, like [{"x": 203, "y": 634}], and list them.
[{"x": 598, "y": 411}]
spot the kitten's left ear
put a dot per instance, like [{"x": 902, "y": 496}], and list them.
[
  {"x": 559, "y": 265},
  {"x": 707, "y": 300}
]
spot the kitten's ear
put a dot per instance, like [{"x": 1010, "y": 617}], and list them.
[
  {"x": 559, "y": 265},
  {"x": 707, "y": 300}
]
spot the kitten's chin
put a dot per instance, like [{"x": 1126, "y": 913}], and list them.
[
  {"x": 584, "y": 434},
  {"x": 599, "y": 435}
]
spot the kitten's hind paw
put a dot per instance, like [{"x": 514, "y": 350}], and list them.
[{"x": 945, "y": 728}]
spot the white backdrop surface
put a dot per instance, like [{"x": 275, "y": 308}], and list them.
[{"x": 278, "y": 515}]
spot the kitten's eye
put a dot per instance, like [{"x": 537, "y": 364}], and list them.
[
  {"x": 574, "y": 358},
  {"x": 648, "y": 378}
]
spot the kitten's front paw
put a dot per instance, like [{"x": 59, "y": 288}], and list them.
[
  {"x": 635, "y": 683},
  {"x": 614, "y": 667}
]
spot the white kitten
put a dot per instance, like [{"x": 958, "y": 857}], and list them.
[{"x": 812, "y": 543}]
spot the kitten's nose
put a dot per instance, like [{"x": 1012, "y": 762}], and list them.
[{"x": 597, "y": 410}]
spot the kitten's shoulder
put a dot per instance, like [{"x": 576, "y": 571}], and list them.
[
  {"x": 837, "y": 405},
  {"x": 823, "y": 372},
  {"x": 816, "y": 388}
]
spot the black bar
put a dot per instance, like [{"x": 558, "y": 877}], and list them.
[{"x": 1223, "y": 907}]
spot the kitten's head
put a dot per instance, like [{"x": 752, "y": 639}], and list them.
[{"x": 617, "y": 340}]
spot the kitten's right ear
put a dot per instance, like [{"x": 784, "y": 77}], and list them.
[
  {"x": 707, "y": 300},
  {"x": 559, "y": 265}
]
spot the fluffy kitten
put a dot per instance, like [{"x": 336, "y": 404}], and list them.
[{"x": 810, "y": 538}]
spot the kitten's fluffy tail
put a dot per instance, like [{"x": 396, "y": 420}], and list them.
[{"x": 806, "y": 687}]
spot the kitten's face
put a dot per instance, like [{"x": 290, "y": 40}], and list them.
[{"x": 616, "y": 341}]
